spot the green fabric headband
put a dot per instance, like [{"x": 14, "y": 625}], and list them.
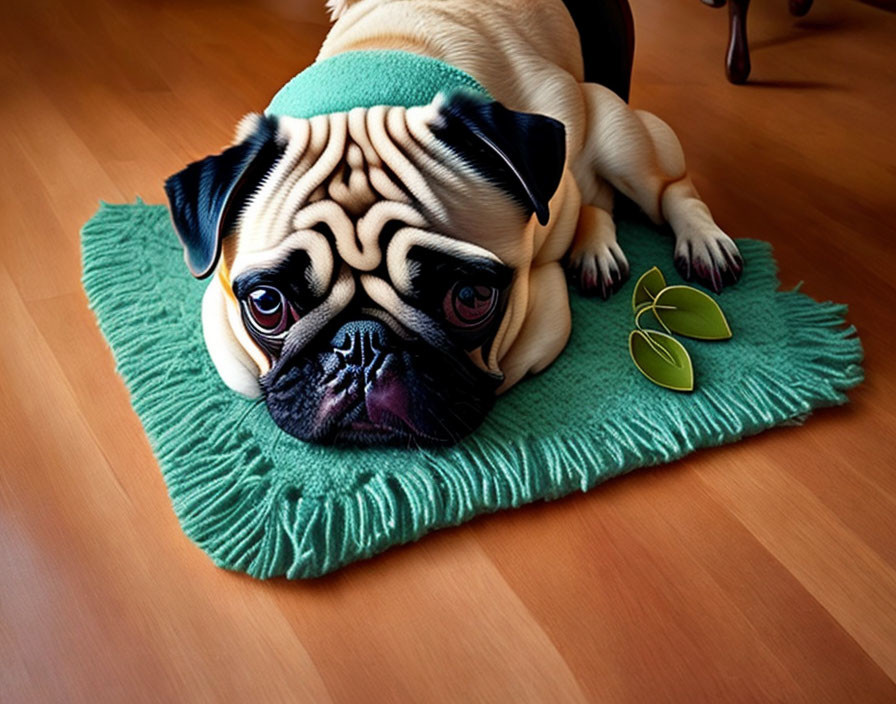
[{"x": 368, "y": 78}]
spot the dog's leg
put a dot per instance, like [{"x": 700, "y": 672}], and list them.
[
  {"x": 641, "y": 157},
  {"x": 703, "y": 252},
  {"x": 596, "y": 263}
]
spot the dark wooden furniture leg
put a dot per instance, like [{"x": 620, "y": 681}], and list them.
[
  {"x": 607, "y": 34},
  {"x": 737, "y": 60}
]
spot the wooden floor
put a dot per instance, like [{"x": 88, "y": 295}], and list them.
[{"x": 756, "y": 572}]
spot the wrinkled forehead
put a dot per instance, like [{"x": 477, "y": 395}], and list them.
[{"x": 350, "y": 181}]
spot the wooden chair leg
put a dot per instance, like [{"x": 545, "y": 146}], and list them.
[{"x": 737, "y": 60}]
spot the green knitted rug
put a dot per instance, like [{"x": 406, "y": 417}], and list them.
[{"x": 258, "y": 500}]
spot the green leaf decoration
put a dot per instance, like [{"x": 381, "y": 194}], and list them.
[
  {"x": 671, "y": 368},
  {"x": 648, "y": 286},
  {"x": 692, "y": 313}
]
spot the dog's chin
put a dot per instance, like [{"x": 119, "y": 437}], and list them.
[{"x": 362, "y": 388}]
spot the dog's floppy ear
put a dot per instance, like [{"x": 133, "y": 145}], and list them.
[
  {"x": 206, "y": 196},
  {"x": 522, "y": 153}
]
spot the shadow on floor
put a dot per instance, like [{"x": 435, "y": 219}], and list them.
[{"x": 885, "y": 5}]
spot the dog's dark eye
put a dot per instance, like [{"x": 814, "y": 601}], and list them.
[
  {"x": 268, "y": 309},
  {"x": 468, "y": 305}
]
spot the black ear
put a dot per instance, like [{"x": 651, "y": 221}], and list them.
[
  {"x": 520, "y": 152},
  {"x": 207, "y": 195}
]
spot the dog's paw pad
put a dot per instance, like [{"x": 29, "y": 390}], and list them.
[
  {"x": 599, "y": 273},
  {"x": 711, "y": 261}
]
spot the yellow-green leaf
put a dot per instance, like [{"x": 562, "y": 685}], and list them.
[
  {"x": 648, "y": 286},
  {"x": 662, "y": 359},
  {"x": 687, "y": 311}
]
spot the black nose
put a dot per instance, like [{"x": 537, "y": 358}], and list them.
[{"x": 361, "y": 344}]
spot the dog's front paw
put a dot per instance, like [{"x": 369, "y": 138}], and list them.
[
  {"x": 598, "y": 271},
  {"x": 710, "y": 258}
]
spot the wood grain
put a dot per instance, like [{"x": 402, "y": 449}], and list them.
[{"x": 760, "y": 571}]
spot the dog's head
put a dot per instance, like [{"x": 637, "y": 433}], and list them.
[{"x": 366, "y": 264}]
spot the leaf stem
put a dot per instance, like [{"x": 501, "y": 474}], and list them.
[
  {"x": 652, "y": 307},
  {"x": 643, "y": 309}
]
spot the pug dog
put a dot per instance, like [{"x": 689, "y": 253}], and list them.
[{"x": 380, "y": 273}]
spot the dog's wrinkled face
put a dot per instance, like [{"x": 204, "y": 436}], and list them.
[{"x": 367, "y": 263}]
